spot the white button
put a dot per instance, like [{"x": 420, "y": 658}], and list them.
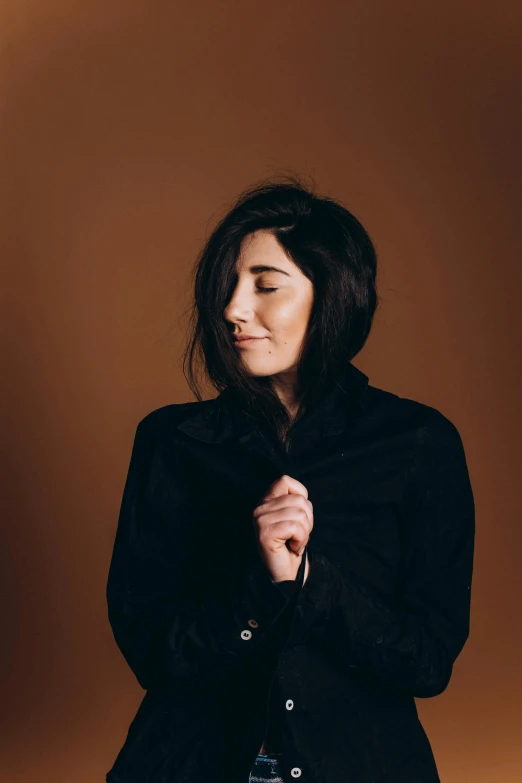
[
  {"x": 295, "y": 772},
  {"x": 246, "y": 634},
  {"x": 289, "y": 704},
  {"x": 253, "y": 623}
]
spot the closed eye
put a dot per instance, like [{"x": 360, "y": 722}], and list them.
[{"x": 266, "y": 290}]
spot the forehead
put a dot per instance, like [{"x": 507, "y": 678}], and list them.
[{"x": 261, "y": 249}]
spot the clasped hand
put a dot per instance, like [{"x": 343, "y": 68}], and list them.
[{"x": 283, "y": 520}]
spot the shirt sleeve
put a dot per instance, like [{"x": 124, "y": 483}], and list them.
[
  {"x": 165, "y": 636},
  {"x": 406, "y": 643}
]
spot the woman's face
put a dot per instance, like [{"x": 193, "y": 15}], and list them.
[{"x": 279, "y": 316}]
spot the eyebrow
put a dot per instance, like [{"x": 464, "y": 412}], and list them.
[{"x": 263, "y": 268}]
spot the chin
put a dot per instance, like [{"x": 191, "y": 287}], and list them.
[{"x": 263, "y": 372}]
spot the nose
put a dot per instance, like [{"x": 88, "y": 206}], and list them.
[{"x": 239, "y": 308}]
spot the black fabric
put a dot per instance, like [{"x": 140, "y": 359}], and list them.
[{"x": 379, "y": 622}]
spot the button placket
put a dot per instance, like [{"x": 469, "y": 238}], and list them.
[
  {"x": 246, "y": 634},
  {"x": 296, "y": 772}
]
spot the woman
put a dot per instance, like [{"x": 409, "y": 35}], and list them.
[{"x": 293, "y": 559}]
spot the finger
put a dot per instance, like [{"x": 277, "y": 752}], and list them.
[
  {"x": 286, "y": 502},
  {"x": 292, "y": 532},
  {"x": 288, "y": 515},
  {"x": 285, "y": 485}
]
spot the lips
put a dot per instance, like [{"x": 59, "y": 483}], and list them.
[{"x": 246, "y": 341}]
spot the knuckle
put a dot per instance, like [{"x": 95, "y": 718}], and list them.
[{"x": 262, "y": 539}]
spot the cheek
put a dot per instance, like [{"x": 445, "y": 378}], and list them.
[{"x": 289, "y": 318}]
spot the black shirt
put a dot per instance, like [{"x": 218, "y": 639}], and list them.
[{"x": 381, "y": 619}]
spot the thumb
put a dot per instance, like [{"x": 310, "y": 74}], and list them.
[{"x": 285, "y": 485}]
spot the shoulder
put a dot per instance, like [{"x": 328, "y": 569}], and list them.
[
  {"x": 427, "y": 425},
  {"x": 436, "y": 460},
  {"x": 165, "y": 420},
  {"x": 174, "y": 413}
]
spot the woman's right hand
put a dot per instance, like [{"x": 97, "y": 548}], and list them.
[{"x": 283, "y": 520}]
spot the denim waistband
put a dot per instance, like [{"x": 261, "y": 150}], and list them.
[{"x": 266, "y": 769}]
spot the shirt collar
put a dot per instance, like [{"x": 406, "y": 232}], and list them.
[{"x": 222, "y": 419}]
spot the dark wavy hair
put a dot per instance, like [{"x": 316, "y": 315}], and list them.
[{"x": 331, "y": 247}]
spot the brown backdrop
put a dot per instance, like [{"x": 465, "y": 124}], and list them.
[{"x": 127, "y": 127}]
